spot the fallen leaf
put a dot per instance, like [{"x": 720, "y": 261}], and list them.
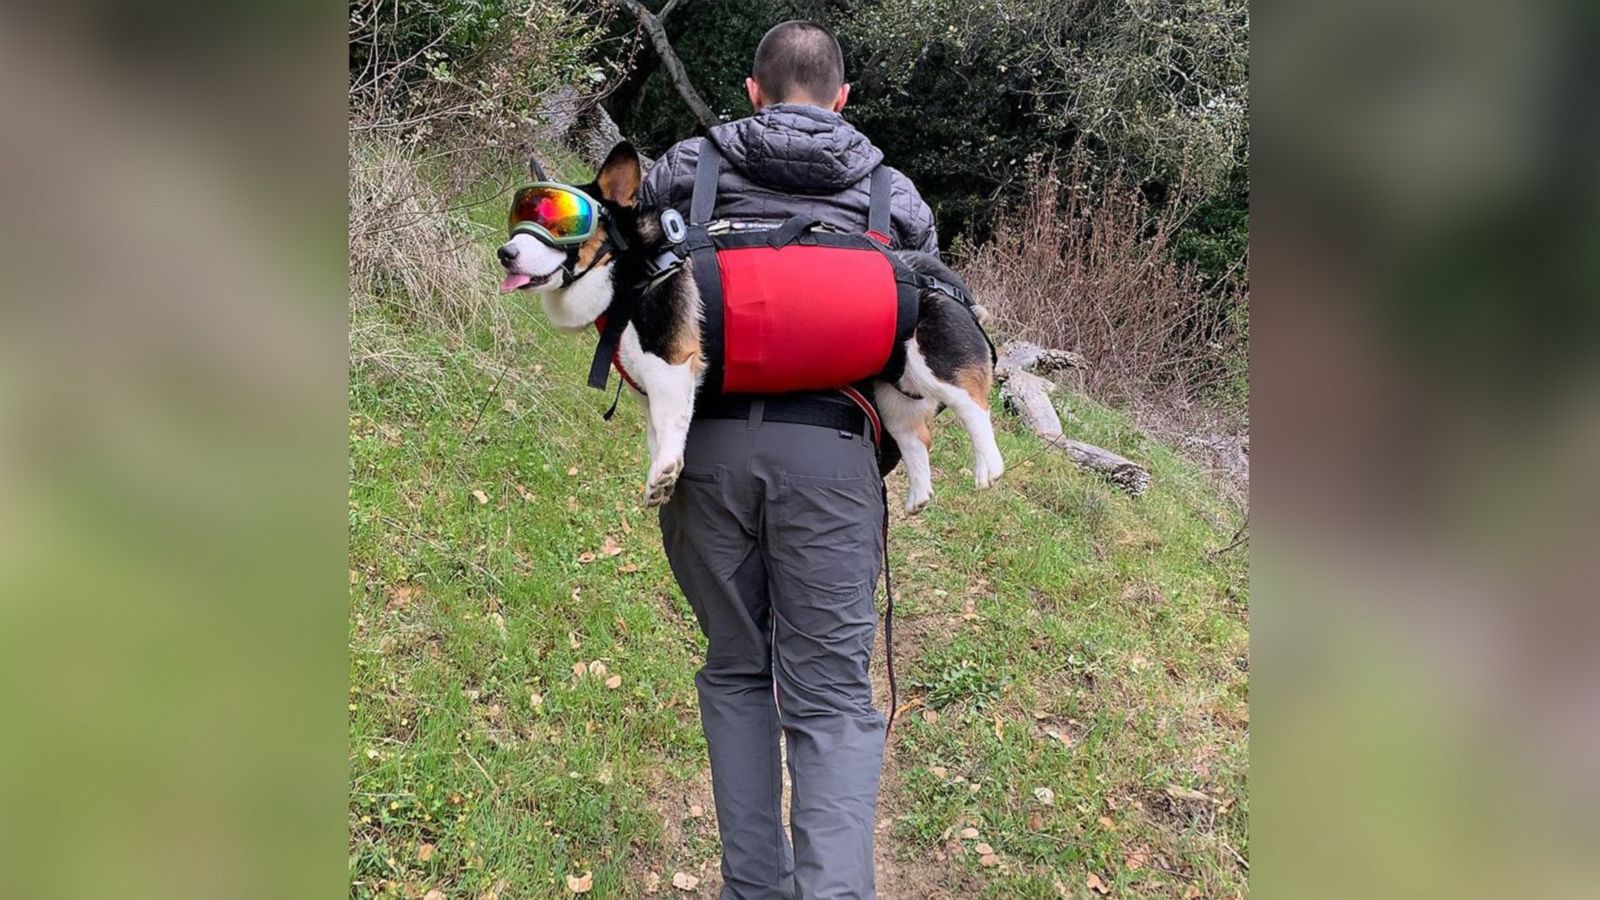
[
  {"x": 579, "y": 670},
  {"x": 969, "y": 833},
  {"x": 1040, "y": 715},
  {"x": 495, "y": 892},
  {"x": 1192, "y": 892},
  {"x": 628, "y": 568},
  {"x": 580, "y": 884},
  {"x": 573, "y": 470},
  {"x": 939, "y": 771},
  {"x": 1094, "y": 883},
  {"x": 626, "y": 528},
  {"x": 999, "y": 734},
  {"x": 434, "y": 894},
  {"x": 597, "y": 668},
  {"x": 494, "y": 711},
  {"x": 402, "y": 594},
  {"x": 536, "y": 700},
  {"x": 652, "y": 882},
  {"x": 425, "y": 852},
  {"x": 610, "y": 547},
  {"x": 989, "y": 860},
  {"x": 683, "y": 881},
  {"x": 572, "y": 636},
  {"x": 1044, "y": 795},
  {"x": 1035, "y": 821},
  {"x": 930, "y": 716},
  {"x": 524, "y": 493},
  {"x": 371, "y": 753},
  {"x": 1183, "y": 793},
  {"x": 1138, "y": 859},
  {"x": 614, "y": 682},
  {"x": 982, "y": 849},
  {"x": 585, "y": 558},
  {"x": 696, "y": 810},
  {"x": 354, "y": 576},
  {"x": 481, "y": 497},
  {"x": 1106, "y": 823}
]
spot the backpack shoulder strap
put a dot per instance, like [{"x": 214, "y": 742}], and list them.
[
  {"x": 703, "y": 204},
  {"x": 878, "y": 203}
]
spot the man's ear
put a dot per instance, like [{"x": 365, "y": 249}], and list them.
[
  {"x": 753, "y": 88},
  {"x": 620, "y": 175},
  {"x": 842, "y": 98}
]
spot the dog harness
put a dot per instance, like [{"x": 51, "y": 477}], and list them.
[{"x": 795, "y": 308}]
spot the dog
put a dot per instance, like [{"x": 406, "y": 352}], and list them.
[{"x": 949, "y": 359}]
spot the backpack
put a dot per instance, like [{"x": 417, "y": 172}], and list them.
[{"x": 794, "y": 308}]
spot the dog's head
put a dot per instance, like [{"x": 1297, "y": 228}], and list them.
[{"x": 575, "y": 280}]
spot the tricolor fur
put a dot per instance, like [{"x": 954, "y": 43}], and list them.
[{"x": 948, "y": 360}]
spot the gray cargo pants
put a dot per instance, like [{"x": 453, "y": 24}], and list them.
[{"x": 775, "y": 534}]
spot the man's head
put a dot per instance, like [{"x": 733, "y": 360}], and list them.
[{"x": 798, "y": 62}]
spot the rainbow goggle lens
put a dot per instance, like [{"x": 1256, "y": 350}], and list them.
[{"x": 555, "y": 213}]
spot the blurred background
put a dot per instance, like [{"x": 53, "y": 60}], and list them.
[{"x": 1422, "y": 381}]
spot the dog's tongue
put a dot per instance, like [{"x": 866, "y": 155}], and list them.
[{"x": 514, "y": 281}]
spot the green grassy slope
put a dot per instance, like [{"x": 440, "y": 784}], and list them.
[{"x": 1074, "y": 662}]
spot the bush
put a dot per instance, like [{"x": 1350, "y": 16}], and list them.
[
  {"x": 412, "y": 257},
  {"x": 1090, "y": 269}
]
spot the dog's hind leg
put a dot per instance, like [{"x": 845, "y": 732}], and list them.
[
  {"x": 969, "y": 398},
  {"x": 906, "y": 419},
  {"x": 967, "y": 392}
]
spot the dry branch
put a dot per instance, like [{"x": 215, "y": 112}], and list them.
[
  {"x": 1028, "y": 395},
  {"x": 669, "y": 61}
]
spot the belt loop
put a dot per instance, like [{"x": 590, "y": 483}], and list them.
[{"x": 758, "y": 411}]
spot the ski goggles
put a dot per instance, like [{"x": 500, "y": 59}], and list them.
[{"x": 557, "y": 214}]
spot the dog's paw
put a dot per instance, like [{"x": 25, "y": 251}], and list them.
[
  {"x": 658, "y": 490},
  {"x": 916, "y": 499},
  {"x": 987, "y": 471}
]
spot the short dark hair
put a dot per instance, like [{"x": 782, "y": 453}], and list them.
[{"x": 799, "y": 60}]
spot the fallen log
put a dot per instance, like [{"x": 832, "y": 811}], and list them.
[{"x": 1028, "y": 396}]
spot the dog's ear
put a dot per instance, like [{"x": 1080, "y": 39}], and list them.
[
  {"x": 620, "y": 175},
  {"x": 536, "y": 170}
]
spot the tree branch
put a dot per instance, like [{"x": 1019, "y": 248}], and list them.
[
  {"x": 669, "y": 60},
  {"x": 667, "y": 10}
]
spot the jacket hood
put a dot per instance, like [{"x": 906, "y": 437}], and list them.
[{"x": 798, "y": 148}]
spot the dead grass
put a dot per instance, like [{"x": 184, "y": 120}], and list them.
[
  {"x": 413, "y": 256},
  {"x": 1087, "y": 269}
]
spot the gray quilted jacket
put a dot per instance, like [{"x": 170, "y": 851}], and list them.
[{"x": 792, "y": 159}]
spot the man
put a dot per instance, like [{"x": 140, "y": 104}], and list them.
[{"x": 775, "y": 531}]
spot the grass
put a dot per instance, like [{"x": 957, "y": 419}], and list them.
[{"x": 1051, "y": 634}]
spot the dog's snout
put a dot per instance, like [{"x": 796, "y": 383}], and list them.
[{"x": 507, "y": 253}]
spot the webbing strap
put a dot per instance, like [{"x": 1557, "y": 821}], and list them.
[
  {"x": 703, "y": 203},
  {"x": 703, "y": 254},
  {"x": 878, "y": 202},
  {"x": 606, "y": 350}
]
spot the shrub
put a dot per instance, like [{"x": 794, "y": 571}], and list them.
[
  {"x": 1090, "y": 269},
  {"x": 412, "y": 256}
]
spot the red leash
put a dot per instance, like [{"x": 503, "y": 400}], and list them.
[
  {"x": 888, "y": 583},
  {"x": 888, "y": 620}
]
